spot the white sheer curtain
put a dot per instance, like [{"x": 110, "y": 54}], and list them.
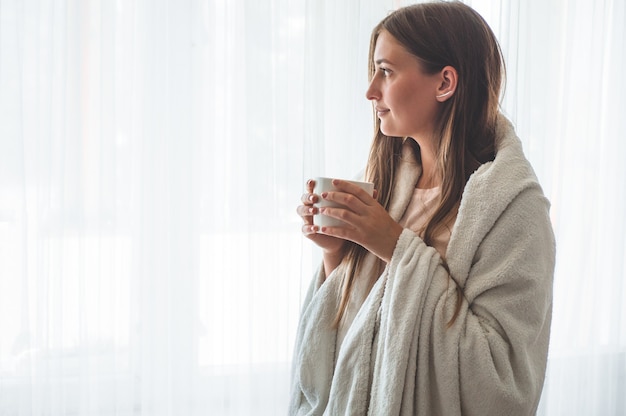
[{"x": 152, "y": 154}]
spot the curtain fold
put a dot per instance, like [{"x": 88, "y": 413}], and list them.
[{"x": 152, "y": 154}]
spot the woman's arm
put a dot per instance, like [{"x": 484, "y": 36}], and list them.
[
  {"x": 508, "y": 303},
  {"x": 492, "y": 358}
]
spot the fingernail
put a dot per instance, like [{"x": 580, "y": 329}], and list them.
[
  {"x": 312, "y": 198},
  {"x": 324, "y": 195}
]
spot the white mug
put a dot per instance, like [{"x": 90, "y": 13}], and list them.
[{"x": 323, "y": 184}]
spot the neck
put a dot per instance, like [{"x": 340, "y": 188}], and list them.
[
  {"x": 429, "y": 178},
  {"x": 427, "y": 182}
]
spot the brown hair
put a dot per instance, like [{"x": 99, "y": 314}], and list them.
[{"x": 439, "y": 34}]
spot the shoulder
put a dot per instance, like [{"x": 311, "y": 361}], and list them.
[
  {"x": 495, "y": 184},
  {"x": 501, "y": 197}
]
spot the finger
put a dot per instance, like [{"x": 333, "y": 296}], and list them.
[
  {"x": 351, "y": 188},
  {"x": 345, "y": 232},
  {"x": 309, "y": 199},
  {"x": 345, "y": 215},
  {"x": 310, "y": 185},
  {"x": 348, "y": 200},
  {"x": 308, "y": 229},
  {"x": 307, "y": 212}
]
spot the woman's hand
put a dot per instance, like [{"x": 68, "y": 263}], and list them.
[
  {"x": 332, "y": 247},
  {"x": 366, "y": 221},
  {"x": 329, "y": 244}
]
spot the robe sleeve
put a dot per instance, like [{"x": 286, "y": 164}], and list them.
[
  {"x": 491, "y": 360},
  {"x": 312, "y": 367},
  {"x": 507, "y": 309}
]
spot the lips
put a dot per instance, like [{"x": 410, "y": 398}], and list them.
[{"x": 381, "y": 111}]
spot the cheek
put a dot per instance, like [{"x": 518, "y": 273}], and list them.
[
  {"x": 409, "y": 104},
  {"x": 402, "y": 96},
  {"x": 409, "y": 96}
]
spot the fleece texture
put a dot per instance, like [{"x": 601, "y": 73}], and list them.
[{"x": 400, "y": 356}]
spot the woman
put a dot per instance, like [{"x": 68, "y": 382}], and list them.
[{"x": 435, "y": 298}]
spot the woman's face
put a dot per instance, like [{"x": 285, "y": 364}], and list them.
[{"x": 403, "y": 95}]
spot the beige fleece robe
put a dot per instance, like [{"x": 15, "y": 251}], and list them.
[{"x": 399, "y": 357}]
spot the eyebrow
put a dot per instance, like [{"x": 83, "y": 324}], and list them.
[{"x": 382, "y": 61}]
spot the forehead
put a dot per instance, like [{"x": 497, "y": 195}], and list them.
[{"x": 388, "y": 49}]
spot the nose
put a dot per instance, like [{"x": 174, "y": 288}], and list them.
[{"x": 373, "y": 92}]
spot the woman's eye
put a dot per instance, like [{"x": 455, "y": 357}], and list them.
[{"x": 385, "y": 72}]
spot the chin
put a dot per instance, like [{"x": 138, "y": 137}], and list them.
[
  {"x": 392, "y": 129},
  {"x": 386, "y": 131},
  {"x": 390, "y": 132}
]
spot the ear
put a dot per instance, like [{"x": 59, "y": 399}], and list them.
[{"x": 448, "y": 78}]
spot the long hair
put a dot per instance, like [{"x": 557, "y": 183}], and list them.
[{"x": 439, "y": 34}]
